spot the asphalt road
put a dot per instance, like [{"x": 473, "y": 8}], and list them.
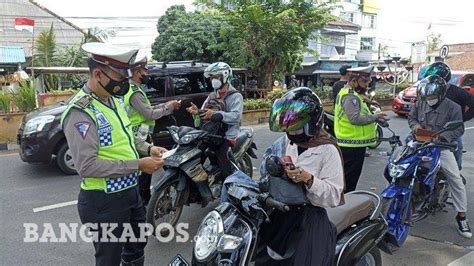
[{"x": 30, "y": 194}]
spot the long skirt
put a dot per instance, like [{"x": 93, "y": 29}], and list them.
[{"x": 302, "y": 236}]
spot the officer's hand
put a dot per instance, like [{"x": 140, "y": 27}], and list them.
[
  {"x": 192, "y": 109},
  {"x": 176, "y": 104},
  {"x": 207, "y": 114},
  {"x": 157, "y": 152},
  {"x": 149, "y": 165},
  {"x": 383, "y": 116}
]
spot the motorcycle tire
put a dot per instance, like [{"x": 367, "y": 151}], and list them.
[
  {"x": 373, "y": 258},
  {"x": 379, "y": 134},
  {"x": 245, "y": 165},
  {"x": 162, "y": 202}
]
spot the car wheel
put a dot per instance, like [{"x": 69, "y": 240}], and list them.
[{"x": 64, "y": 160}]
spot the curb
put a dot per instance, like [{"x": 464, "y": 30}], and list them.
[{"x": 9, "y": 146}]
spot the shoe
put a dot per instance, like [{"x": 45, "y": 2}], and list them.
[{"x": 463, "y": 227}]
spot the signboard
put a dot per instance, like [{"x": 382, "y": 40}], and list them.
[{"x": 443, "y": 52}]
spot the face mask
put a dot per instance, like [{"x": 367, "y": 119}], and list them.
[
  {"x": 360, "y": 89},
  {"x": 123, "y": 86},
  {"x": 432, "y": 102},
  {"x": 216, "y": 84},
  {"x": 299, "y": 138},
  {"x": 144, "y": 79}
]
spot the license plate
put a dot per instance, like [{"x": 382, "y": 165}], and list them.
[
  {"x": 169, "y": 153},
  {"x": 173, "y": 160},
  {"x": 178, "y": 260},
  {"x": 407, "y": 106}
]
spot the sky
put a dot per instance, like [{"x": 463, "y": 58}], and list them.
[{"x": 400, "y": 22}]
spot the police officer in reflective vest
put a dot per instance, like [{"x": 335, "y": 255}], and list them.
[
  {"x": 106, "y": 156},
  {"x": 142, "y": 115},
  {"x": 354, "y": 124}
]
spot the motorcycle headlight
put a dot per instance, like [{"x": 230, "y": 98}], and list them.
[
  {"x": 208, "y": 235},
  {"x": 186, "y": 139},
  {"x": 37, "y": 124},
  {"x": 397, "y": 170}
]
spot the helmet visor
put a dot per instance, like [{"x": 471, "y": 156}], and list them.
[{"x": 289, "y": 115}]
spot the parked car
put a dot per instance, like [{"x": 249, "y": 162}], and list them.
[
  {"x": 41, "y": 137},
  {"x": 402, "y": 104}
]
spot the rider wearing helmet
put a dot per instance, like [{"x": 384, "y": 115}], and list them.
[
  {"x": 432, "y": 111},
  {"x": 304, "y": 235},
  {"x": 232, "y": 105},
  {"x": 455, "y": 94}
]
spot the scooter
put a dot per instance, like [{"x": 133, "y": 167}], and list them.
[
  {"x": 229, "y": 234},
  {"x": 417, "y": 188},
  {"x": 187, "y": 173}
]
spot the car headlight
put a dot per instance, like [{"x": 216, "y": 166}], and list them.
[
  {"x": 400, "y": 95},
  {"x": 397, "y": 170},
  {"x": 208, "y": 235},
  {"x": 37, "y": 124}
]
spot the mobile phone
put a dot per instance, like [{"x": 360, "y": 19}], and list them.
[{"x": 288, "y": 162}]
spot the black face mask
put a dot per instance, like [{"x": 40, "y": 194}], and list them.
[
  {"x": 360, "y": 89},
  {"x": 144, "y": 79},
  {"x": 299, "y": 138},
  {"x": 123, "y": 85}
]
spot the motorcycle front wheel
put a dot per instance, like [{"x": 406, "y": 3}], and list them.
[
  {"x": 373, "y": 258},
  {"x": 164, "y": 207},
  {"x": 245, "y": 165}
]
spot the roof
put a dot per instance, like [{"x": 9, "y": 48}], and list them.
[
  {"x": 11, "y": 55},
  {"x": 342, "y": 23},
  {"x": 67, "y": 34}
]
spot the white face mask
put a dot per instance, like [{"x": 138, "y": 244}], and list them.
[
  {"x": 216, "y": 84},
  {"x": 432, "y": 102}
]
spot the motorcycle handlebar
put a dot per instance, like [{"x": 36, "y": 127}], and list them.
[{"x": 272, "y": 203}]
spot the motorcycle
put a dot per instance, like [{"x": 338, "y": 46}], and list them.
[
  {"x": 417, "y": 188},
  {"x": 229, "y": 234},
  {"x": 185, "y": 166}
]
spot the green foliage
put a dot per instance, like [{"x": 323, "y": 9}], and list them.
[
  {"x": 5, "y": 101},
  {"x": 275, "y": 94},
  {"x": 46, "y": 55},
  {"x": 324, "y": 94},
  {"x": 256, "y": 104},
  {"x": 188, "y": 36},
  {"x": 269, "y": 36},
  {"x": 25, "y": 98},
  {"x": 434, "y": 41}
]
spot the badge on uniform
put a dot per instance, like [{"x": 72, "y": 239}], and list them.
[
  {"x": 354, "y": 102},
  {"x": 83, "y": 128}
]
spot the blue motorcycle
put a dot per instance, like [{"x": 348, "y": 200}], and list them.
[{"x": 417, "y": 188}]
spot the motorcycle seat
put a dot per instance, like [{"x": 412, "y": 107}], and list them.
[
  {"x": 356, "y": 208},
  {"x": 240, "y": 140}
]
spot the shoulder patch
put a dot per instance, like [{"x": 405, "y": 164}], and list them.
[
  {"x": 83, "y": 128},
  {"x": 354, "y": 102},
  {"x": 84, "y": 101}
]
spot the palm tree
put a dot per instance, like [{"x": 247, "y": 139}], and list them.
[{"x": 46, "y": 55}]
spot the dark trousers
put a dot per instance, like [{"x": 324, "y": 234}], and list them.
[
  {"x": 353, "y": 162},
  {"x": 126, "y": 206},
  {"x": 144, "y": 183},
  {"x": 223, "y": 159}
]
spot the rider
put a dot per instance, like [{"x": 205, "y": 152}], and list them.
[
  {"x": 232, "y": 104},
  {"x": 319, "y": 167},
  {"x": 432, "y": 111},
  {"x": 455, "y": 94}
]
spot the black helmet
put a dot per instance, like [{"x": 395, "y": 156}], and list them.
[
  {"x": 299, "y": 108},
  {"x": 437, "y": 68},
  {"x": 432, "y": 87}
]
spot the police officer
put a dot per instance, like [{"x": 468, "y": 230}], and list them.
[
  {"x": 354, "y": 124},
  {"x": 432, "y": 111},
  {"x": 142, "y": 115},
  {"x": 105, "y": 154}
]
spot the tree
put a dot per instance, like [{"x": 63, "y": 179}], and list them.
[
  {"x": 46, "y": 55},
  {"x": 188, "y": 36},
  {"x": 434, "y": 41},
  {"x": 269, "y": 36}
]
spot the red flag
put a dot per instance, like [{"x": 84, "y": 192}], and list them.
[{"x": 24, "y": 24}]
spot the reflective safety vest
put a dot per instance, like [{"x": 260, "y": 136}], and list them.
[
  {"x": 116, "y": 140},
  {"x": 347, "y": 134},
  {"x": 136, "y": 118}
]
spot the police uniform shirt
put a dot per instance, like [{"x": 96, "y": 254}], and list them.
[
  {"x": 139, "y": 103},
  {"x": 351, "y": 106},
  {"x": 84, "y": 146}
]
